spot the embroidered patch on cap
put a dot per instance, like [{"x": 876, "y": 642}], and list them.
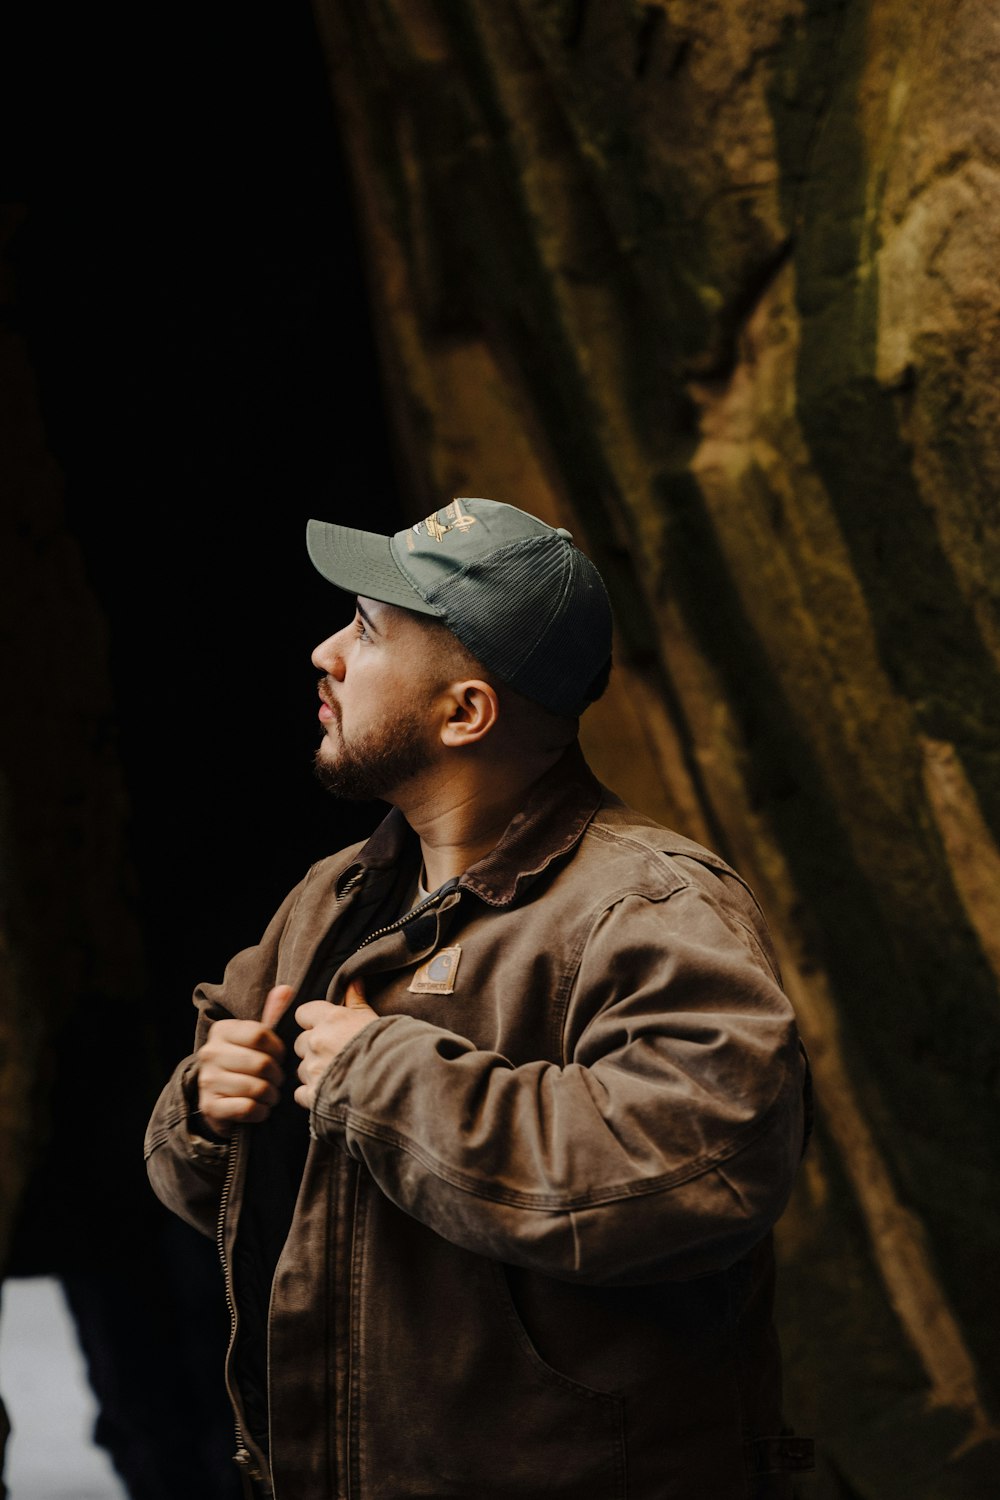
[
  {"x": 455, "y": 519},
  {"x": 437, "y": 975}
]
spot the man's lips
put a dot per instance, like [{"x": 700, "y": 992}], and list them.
[{"x": 328, "y": 709}]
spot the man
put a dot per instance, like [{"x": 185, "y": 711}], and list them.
[{"x": 494, "y": 1123}]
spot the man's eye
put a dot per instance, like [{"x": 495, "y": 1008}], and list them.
[{"x": 361, "y": 628}]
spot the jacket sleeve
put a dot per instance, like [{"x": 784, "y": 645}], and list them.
[
  {"x": 664, "y": 1148},
  {"x": 186, "y": 1167}
]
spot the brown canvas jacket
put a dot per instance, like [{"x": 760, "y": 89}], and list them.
[{"x": 531, "y": 1251}]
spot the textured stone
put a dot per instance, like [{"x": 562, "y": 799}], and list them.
[{"x": 713, "y": 285}]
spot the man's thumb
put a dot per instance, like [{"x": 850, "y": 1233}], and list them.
[
  {"x": 276, "y": 1004},
  {"x": 355, "y": 993}
]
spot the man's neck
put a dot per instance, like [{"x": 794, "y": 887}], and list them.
[{"x": 458, "y": 821}]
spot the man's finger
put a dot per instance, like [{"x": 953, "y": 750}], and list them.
[
  {"x": 355, "y": 993},
  {"x": 276, "y": 1004},
  {"x": 314, "y": 1013},
  {"x": 244, "y": 1060}
]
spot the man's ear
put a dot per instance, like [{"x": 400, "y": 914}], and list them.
[{"x": 473, "y": 711}]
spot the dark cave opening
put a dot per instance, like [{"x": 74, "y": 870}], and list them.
[{"x": 189, "y": 287}]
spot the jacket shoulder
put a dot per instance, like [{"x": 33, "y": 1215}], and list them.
[
  {"x": 637, "y": 836},
  {"x": 657, "y": 862}
]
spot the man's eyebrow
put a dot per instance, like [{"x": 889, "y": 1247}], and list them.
[{"x": 366, "y": 616}]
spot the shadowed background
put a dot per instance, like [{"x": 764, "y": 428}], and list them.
[{"x": 711, "y": 284}]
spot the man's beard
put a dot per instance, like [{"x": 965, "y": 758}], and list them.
[{"x": 377, "y": 763}]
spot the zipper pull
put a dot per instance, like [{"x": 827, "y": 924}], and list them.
[{"x": 249, "y": 1469}]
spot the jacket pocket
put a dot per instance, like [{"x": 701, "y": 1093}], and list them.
[
  {"x": 451, "y": 1397},
  {"x": 543, "y": 1370},
  {"x": 567, "y": 1402}
]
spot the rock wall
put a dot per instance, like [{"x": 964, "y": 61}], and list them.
[{"x": 712, "y": 284}]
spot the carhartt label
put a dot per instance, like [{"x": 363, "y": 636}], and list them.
[{"x": 437, "y": 975}]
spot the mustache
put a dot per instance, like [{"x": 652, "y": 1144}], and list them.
[{"x": 323, "y": 688}]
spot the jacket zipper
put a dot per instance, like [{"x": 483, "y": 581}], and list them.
[
  {"x": 348, "y": 1446},
  {"x": 243, "y": 1457},
  {"x": 350, "y": 885},
  {"x": 399, "y": 922},
  {"x": 349, "y": 1414}
]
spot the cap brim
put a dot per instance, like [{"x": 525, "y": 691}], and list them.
[{"x": 361, "y": 562}]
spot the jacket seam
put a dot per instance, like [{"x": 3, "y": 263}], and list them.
[
  {"x": 679, "y": 881},
  {"x": 685, "y": 884},
  {"x": 571, "y": 972},
  {"x": 757, "y": 948},
  {"x": 664, "y": 856},
  {"x": 547, "y": 1202},
  {"x": 564, "y": 995},
  {"x": 195, "y": 1146}
]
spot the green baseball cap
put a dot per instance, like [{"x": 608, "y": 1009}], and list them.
[{"x": 517, "y": 593}]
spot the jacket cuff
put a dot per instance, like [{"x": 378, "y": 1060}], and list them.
[
  {"x": 204, "y": 1143},
  {"x": 333, "y": 1092}
]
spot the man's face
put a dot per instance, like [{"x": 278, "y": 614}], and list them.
[{"x": 377, "y": 696}]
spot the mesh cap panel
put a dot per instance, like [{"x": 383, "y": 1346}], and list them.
[{"x": 537, "y": 615}]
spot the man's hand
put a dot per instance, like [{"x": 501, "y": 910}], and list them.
[
  {"x": 326, "y": 1031},
  {"x": 239, "y": 1074}
]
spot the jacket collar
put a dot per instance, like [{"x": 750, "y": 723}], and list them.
[{"x": 556, "y": 811}]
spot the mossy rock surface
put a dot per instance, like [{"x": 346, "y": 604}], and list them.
[{"x": 713, "y": 285}]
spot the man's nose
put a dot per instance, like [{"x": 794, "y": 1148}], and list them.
[{"x": 329, "y": 654}]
